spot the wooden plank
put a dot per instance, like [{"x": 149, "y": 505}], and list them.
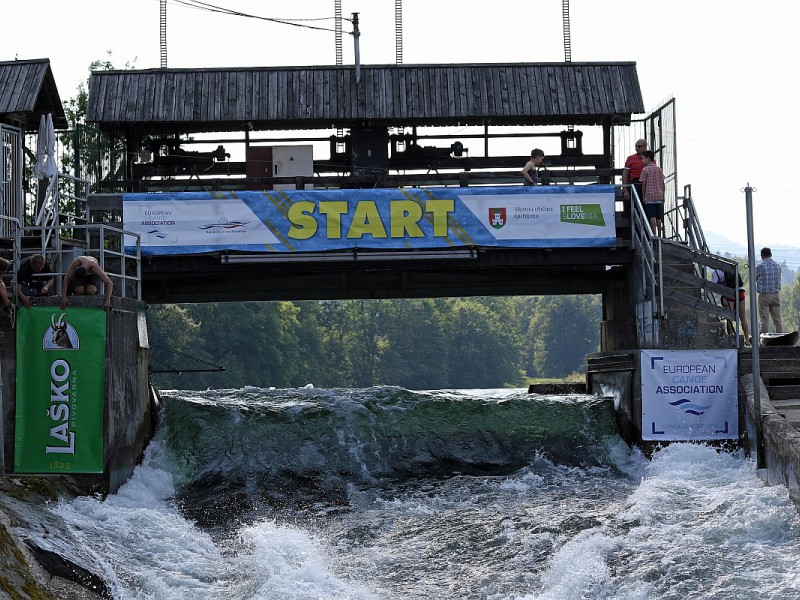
[
  {"x": 196, "y": 80},
  {"x": 169, "y": 97},
  {"x": 298, "y": 110},
  {"x": 348, "y": 86},
  {"x": 502, "y": 89},
  {"x": 268, "y": 95},
  {"x": 699, "y": 304},
  {"x": 452, "y": 93},
  {"x": 784, "y": 392},
  {"x": 316, "y": 99},
  {"x": 286, "y": 95},
  {"x": 675, "y": 250},
  {"x": 129, "y": 83},
  {"x": 380, "y": 92},
  {"x": 19, "y": 86},
  {"x": 248, "y": 106}
]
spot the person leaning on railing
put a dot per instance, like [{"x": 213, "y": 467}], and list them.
[
  {"x": 5, "y": 265},
  {"x": 82, "y": 278},
  {"x": 33, "y": 280}
]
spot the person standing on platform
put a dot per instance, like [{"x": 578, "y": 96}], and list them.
[
  {"x": 82, "y": 278},
  {"x": 32, "y": 279},
  {"x": 730, "y": 280},
  {"x": 631, "y": 173},
  {"x": 653, "y": 189},
  {"x": 768, "y": 286},
  {"x": 530, "y": 174}
]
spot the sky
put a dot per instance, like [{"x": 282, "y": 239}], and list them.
[{"x": 724, "y": 62}]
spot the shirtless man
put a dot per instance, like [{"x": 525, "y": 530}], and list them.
[{"x": 82, "y": 278}]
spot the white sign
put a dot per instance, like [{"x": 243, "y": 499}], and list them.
[
  {"x": 551, "y": 216},
  {"x": 689, "y": 395},
  {"x": 209, "y": 223}
]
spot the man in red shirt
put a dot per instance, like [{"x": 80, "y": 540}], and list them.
[
  {"x": 653, "y": 189},
  {"x": 631, "y": 173}
]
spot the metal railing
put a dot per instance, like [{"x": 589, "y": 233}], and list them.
[
  {"x": 684, "y": 240},
  {"x": 63, "y": 205},
  {"x": 11, "y": 169},
  {"x": 118, "y": 252},
  {"x": 642, "y": 241},
  {"x": 682, "y": 224}
]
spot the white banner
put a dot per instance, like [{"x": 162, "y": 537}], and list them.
[{"x": 689, "y": 395}]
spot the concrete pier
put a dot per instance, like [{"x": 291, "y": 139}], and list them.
[{"x": 780, "y": 415}]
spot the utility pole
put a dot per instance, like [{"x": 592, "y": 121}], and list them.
[
  {"x": 761, "y": 462},
  {"x": 356, "y": 35}
]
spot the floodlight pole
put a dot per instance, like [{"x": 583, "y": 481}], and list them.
[{"x": 754, "y": 323}]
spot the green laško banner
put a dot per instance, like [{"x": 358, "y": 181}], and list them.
[{"x": 60, "y": 390}]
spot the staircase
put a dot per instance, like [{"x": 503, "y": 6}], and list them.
[
  {"x": 690, "y": 313},
  {"x": 675, "y": 280}
]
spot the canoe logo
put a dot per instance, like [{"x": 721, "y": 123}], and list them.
[
  {"x": 497, "y": 217},
  {"x": 60, "y": 335},
  {"x": 223, "y": 223},
  {"x": 690, "y": 408}
]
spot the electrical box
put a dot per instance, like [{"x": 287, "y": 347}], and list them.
[{"x": 280, "y": 161}]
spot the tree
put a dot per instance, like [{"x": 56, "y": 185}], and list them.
[
  {"x": 791, "y": 307},
  {"x": 417, "y": 349},
  {"x": 486, "y": 348},
  {"x": 566, "y": 329}
]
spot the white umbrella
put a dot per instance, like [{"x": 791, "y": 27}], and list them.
[
  {"x": 50, "y": 167},
  {"x": 41, "y": 150}
]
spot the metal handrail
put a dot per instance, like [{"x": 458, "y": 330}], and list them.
[
  {"x": 642, "y": 240},
  {"x": 687, "y": 229},
  {"x": 103, "y": 233}
]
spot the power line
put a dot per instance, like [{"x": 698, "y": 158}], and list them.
[{"x": 199, "y": 5}]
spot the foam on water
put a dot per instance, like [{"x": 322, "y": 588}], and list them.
[
  {"x": 699, "y": 525},
  {"x": 601, "y": 522}
]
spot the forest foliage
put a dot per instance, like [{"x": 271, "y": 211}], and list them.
[{"x": 416, "y": 344}]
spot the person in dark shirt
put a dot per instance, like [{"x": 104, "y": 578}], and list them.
[
  {"x": 530, "y": 173},
  {"x": 33, "y": 280}
]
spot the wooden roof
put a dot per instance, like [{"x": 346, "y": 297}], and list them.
[
  {"x": 321, "y": 97},
  {"x": 27, "y": 91}
]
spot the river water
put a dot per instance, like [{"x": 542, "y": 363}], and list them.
[{"x": 385, "y": 493}]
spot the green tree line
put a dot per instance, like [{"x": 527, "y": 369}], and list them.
[{"x": 416, "y": 344}]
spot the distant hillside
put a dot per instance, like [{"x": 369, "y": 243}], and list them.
[{"x": 719, "y": 244}]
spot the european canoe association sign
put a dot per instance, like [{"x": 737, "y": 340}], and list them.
[
  {"x": 689, "y": 395},
  {"x": 379, "y": 219}
]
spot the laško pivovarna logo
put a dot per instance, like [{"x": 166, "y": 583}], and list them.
[
  {"x": 497, "y": 217},
  {"x": 60, "y": 335}
]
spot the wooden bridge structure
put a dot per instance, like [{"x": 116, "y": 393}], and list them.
[{"x": 166, "y": 130}]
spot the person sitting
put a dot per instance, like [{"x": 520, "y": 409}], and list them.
[
  {"x": 82, "y": 278},
  {"x": 7, "y": 305},
  {"x": 32, "y": 279}
]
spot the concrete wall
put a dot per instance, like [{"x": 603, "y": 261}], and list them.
[
  {"x": 128, "y": 420},
  {"x": 781, "y": 441}
]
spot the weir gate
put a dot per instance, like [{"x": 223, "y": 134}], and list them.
[{"x": 396, "y": 208}]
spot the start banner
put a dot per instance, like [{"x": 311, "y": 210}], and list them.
[
  {"x": 60, "y": 390},
  {"x": 690, "y": 395},
  {"x": 381, "y": 219}
]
